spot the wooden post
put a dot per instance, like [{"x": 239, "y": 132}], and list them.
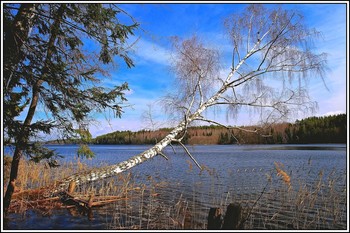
[
  {"x": 233, "y": 217},
  {"x": 91, "y": 201},
  {"x": 71, "y": 187},
  {"x": 214, "y": 219}
]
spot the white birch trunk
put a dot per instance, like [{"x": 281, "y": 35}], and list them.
[{"x": 108, "y": 171}]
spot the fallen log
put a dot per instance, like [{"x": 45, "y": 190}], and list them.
[{"x": 36, "y": 199}]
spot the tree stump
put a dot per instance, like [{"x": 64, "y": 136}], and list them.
[
  {"x": 232, "y": 219},
  {"x": 214, "y": 219}
]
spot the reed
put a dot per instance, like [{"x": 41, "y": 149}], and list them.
[{"x": 284, "y": 200}]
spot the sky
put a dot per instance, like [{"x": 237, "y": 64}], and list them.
[{"x": 151, "y": 78}]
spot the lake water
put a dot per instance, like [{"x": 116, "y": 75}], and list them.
[{"x": 315, "y": 199}]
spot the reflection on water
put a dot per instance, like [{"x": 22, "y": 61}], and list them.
[{"x": 231, "y": 173}]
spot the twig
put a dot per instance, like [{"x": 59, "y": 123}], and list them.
[
  {"x": 189, "y": 154},
  {"x": 163, "y": 155},
  {"x": 251, "y": 210},
  {"x": 171, "y": 145}
]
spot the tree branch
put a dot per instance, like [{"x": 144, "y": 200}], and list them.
[{"x": 188, "y": 153}]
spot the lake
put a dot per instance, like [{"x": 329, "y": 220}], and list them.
[{"x": 314, "y": 198}]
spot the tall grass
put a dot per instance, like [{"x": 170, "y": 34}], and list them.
[{"x": 284, "y": 201}]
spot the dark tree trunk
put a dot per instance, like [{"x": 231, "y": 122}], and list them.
[
  {"x": 23, "y": 138},
  {"x": 14, "y": 39}
]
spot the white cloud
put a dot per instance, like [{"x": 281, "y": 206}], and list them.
[
  {"x": 109, "y": 126},
  {"x": 333, "y": 113},
  {"x": 129, "y": 92},
  {"x": 335, "y": 103},
  {"x": 152, "y": 52},
  {"x": 131, "y": 119}
]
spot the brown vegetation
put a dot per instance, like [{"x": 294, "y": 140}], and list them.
[
  {"x": 202, "y": 135},
  {"x": 319, "y": 205}
]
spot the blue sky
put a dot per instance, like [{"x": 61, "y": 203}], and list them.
[{"x": 151, "y": 78}]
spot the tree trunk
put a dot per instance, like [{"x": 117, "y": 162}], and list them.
[
  {"x": 108, "y": 171},
  {"x": 20, "y": 146},
  {"x": 22, "y": 142},
  {"x": 13, "y": 54},
  {"x": 16, "y": 37}
]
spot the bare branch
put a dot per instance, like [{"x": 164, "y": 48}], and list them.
[
  {"x": 171, "y": 145},
  {"x": 163, "y": 155},
  {"x": 188, "y": 153}
]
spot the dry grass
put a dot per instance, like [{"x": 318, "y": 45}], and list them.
[
  {"x": 287, "y": 202},
  {"x": 283, "y": 174},
  {"x": 33, "y": 175}
]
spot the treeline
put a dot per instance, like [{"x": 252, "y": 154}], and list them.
[
  {"x": 129, "y": 137},
  {"x": 329, "y": 129}
]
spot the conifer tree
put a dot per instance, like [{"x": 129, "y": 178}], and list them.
[{"x": 47, "y": 64}]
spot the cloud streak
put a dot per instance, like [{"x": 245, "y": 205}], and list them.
[{"x": 149, "y": 52}]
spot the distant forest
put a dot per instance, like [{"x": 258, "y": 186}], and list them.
[{"x": 329, "y": 129}]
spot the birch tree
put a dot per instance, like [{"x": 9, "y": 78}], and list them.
[{"x": 269, "y": 47}]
